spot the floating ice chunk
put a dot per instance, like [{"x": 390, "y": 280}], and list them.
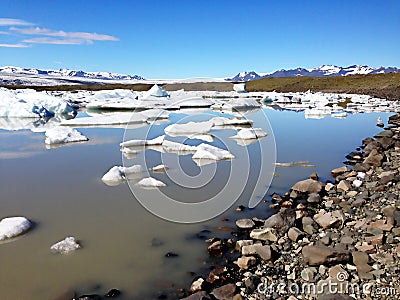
[
  {"x": 155, "y": 91},
  {"x": 250, "y": 133},
  {"x": 116, "y": 175},
  {"x": 188, "y": 128},
  {"x": 237, "y": 104},
  {"x": 361, "y": 175},
  {"x": 160, "y": 168},
  {"x": 13, "y": 226},
  {"x": 132, "y": 143},
  {"x": 205, "y": 137},
  {"x": 150, "y": 182},
  {"x": 174, "y": 147},
  {"x": 194, "y": 102},
  {"x": 292, "y": 164},
  {"x": 155, "y": 114},
  {"x": 222, "y": 121},
  {"x": 240, "y": 87},
  {"x": 357, "y": 183},
  {"x": 65, "y": 246},
  {"x": 60, "y": 135},
  {"x": 106, "y": 120},
  {"x": 205, "y": 151}
]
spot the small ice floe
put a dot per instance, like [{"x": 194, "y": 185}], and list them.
[
  {"x": 155, "y": 114},
  {"x": 61, "y": 135},
  {"x": 237, "y": 104},
  {"x": 133, "y": 143},
  {"x": 65, "y": 246},
  {"x": 187, "y": 129},
  {"x": 116, "y": 175},
  {"x": 13, "y": 226},
  {"x": 339, "y": 115},
  {"x": 357, "y": 183},
  {"x": 150, "y": 182},
  {"x": 129, "y": 153},
  {"x": 210, "y": 153},
  {"x": 222, "y": 121},
  {"x": 292, "y": 164},
  {"x": 361, "y": 175},
  {"x": 160, "y": 168},
  {"x": 174, "y": 147},
  {"x": 239, "y": 87},
  {"x": 250, "y": 133}
]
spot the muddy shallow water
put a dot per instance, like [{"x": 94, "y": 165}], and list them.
[{"x": 61, "y": 191}]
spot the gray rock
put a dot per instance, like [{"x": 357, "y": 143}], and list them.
[
  {"x": 308, "y": 186},
  {"x": 384, "y": 133},
  {"x": 225, "y": 292},
  {"x": 339, "y": 171},
  {"x": 317, "y": 255},
  {"x": 198, "y": 296},
  {"x": 314, "y": 198},
  {"x": 374, "y": 158},
  {"x": 264, "y": 234},
  {"x": 308, "y": 274},
  {"x": 281, "y": 221},
  {"x": 245, "y": 223},
  {"x": 295, "y": 234}
]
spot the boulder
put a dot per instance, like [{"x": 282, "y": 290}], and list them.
[
  {"x": 245, "y": 223},
  {"x": 317, "y": 255},
  {"x": 264, "y": 234},
  {"x": 308, "y": 186},
  {"x": 281, "y": 221},
  {"x": 374, "y": 159},
  {"x": 338, "y": 171},
  {"x": 225, "y": 292}
]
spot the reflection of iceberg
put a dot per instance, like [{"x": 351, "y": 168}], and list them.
[
  {"x": 35, "y": 125},
  {"x": 230, "y": 122},
  {"x": 340, "y": 115}
]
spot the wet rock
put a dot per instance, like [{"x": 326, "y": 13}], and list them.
[
  {"x": 241, "y": 243},
  {"x": 264, "y": 234},
  {"x": 225, "y": 292},
  {"x": 314, "y": 176},
  {"x": 308, "y": 186},
  {"x": 338, "y": 171},
  {"x": 245, "y": 262},
  {"x": 215, "y": 249},
  {"x": 113, "y": 293},
  {"x": 202, "y": 295},
  {"x": 314, "y": 198},
  {"x": 295, "y": 234},
  {"x": 217, "y": 274},
  {"x": 317, "y": 255},
  {"x": 245, "y": 223}
]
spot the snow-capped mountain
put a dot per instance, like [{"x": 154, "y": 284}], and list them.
[
  {"x": 323, "y": 71},
  {"x": 68, "y": 73}
]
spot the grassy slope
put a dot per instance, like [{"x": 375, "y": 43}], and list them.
[{"x": 380, "y": 85}]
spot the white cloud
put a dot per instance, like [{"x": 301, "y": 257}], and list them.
[
  {"x": 14, "y": 22},
  {"x": 85, "y": 36},
  {"x": 14, "y": 45},
  {"x": 52, "y": 41},
  {"x": 4, "y": 32}
]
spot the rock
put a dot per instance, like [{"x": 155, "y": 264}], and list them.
[
  {"x": 264, "y": 234},
  {"x": 337, "y": 272},
  {"x": 389, "y": 210},
  {"x": 245, "y": 223},
  {"x": 375, "y": 239},
  {"x": 196, "y": 285},
  {"x": 241, "y": 243},
  {"x": 216, "y": 274},
  {"x": 171, "y": 254},
  {"x": 281, "y": 221},
  {"x": 383, "y": 258},
  {"x": 384, "y": 134},
  {"x": 13, "y": 226},
  {"x": 365, "y": 247},
  {"x": 314, "y": 198},
  {"x": 308, "y": 274},
  {"x": 264, "y": 251},
  {"x": 335, "y": 296},
  {"x": 308, "y": 186},
  {"x": 113, "y": 293},
  {"x": 314, "y": 176},
  {"x": 361, "y": 167},
  {"x": 381, "y": 224},
  {"x": 317, "y": 255},
  {"x": 374, "y": 158},
  {"x": 245, "y": 262},
  {"x": 386, "y": 179},
  {"x": 308, "y": 225},
  {"x": 215, "y": 249},
  {"x": 329, "y": 219},
  {"x": 225, "y": 292},
  {"x": 338, "y": 171},
  {"x": 344, "y": 185},
  {"x": 65, "y": 246},
  {"x": 202, "y": 295},
  {"x": 295, "y": 234},
  {"x": 360, "y": 258},
  {"x": 329, "y": 186}
]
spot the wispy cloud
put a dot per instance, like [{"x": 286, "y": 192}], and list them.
[
  {"x": 14, "y": 46},
  {"x": 4, "y": 32},
  {"x": 85, "y": 36},
  {"x": 14, "y": 22},
  {"x": 52, "y": 41}
]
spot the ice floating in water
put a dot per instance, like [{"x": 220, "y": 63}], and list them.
[
  {"x": 155, "y": 91},
  {"x": 292, "y": 164},
  {"x": 116, "y": 175},
  {"x": 106, "y": 120},
  {"x": 28, "y": 103},
  {"x": 208, "y": 152},
  {"x": 150, "y": 182},
  {"x": 237, "y": 104},
  {"x": 174, "y": 147},
  {"x": 133, "y": 143},
  {"x": 190, "y": 128},
  {"x": 65, "y": 246},
  {"x": 250, "y": 133},
  {"x": 222, "y": 121},
  {"x": 13, "y": 226},
  {"x": 156, "y": 114},
  {"x": 60, "y": 135},
  {"x": 160, "y": 168},
  {"x": 239, "y": 87}
]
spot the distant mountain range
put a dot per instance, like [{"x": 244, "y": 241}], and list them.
[
  {"x": 323, "y": 71},
  {"x": 62, "y": 73}
]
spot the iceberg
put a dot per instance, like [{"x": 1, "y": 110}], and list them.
[
  {"x": 60, "y": 135},
  {"x": 65, "y": 246},
  {"x": 160, "y": 168},
  {"x": 250, "y": 133},
  {"x": 133, "y": 143},
  {"x": 150, "y": 182},
  {"x": 222, "y": 121},
  {"x": 191, "y": 128},
  {"x": 239, "y": 87},
  {"x": 116, "y": 175},
  {"x": 174, "y": 147},
  {"x": 13, "y": 226},
  {"x": 209, "y": 152},
  {"x": 237, "y": 104},
  {"x": 155, "y": 91}
]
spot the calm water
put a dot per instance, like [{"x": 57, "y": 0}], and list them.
[{"x": 61, "y": 191}]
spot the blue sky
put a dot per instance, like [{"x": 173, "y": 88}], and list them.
[{"x": 180, "y": 39}]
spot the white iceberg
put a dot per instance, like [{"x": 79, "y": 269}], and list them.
[
  {"x": 250, "y": 133},
  {"x": 237, "y": 104},
  {"x": 133, "y": 143},
  {"x": 190, "y": 128},
  {"x": 239, "y": 87},
  {"x": 117, "y": 174},
  {"x": 150, "y": 182},
  {"x": 209, "y": 152},
  {"x": 155, "y": 91},
  {"x": 13, "y": 226},
  {"x": 60, "y": 135},
  {"x": 160, "y": 168},
  {"x": 174, "y": 147},
  {"x": 222, "y": 121},
  {"x": 65, "y": 246}
]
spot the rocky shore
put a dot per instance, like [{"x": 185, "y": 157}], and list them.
[{"x": 338, "y": 239}]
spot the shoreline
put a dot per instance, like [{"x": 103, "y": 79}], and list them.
[{"x": 342, "y": 234}]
